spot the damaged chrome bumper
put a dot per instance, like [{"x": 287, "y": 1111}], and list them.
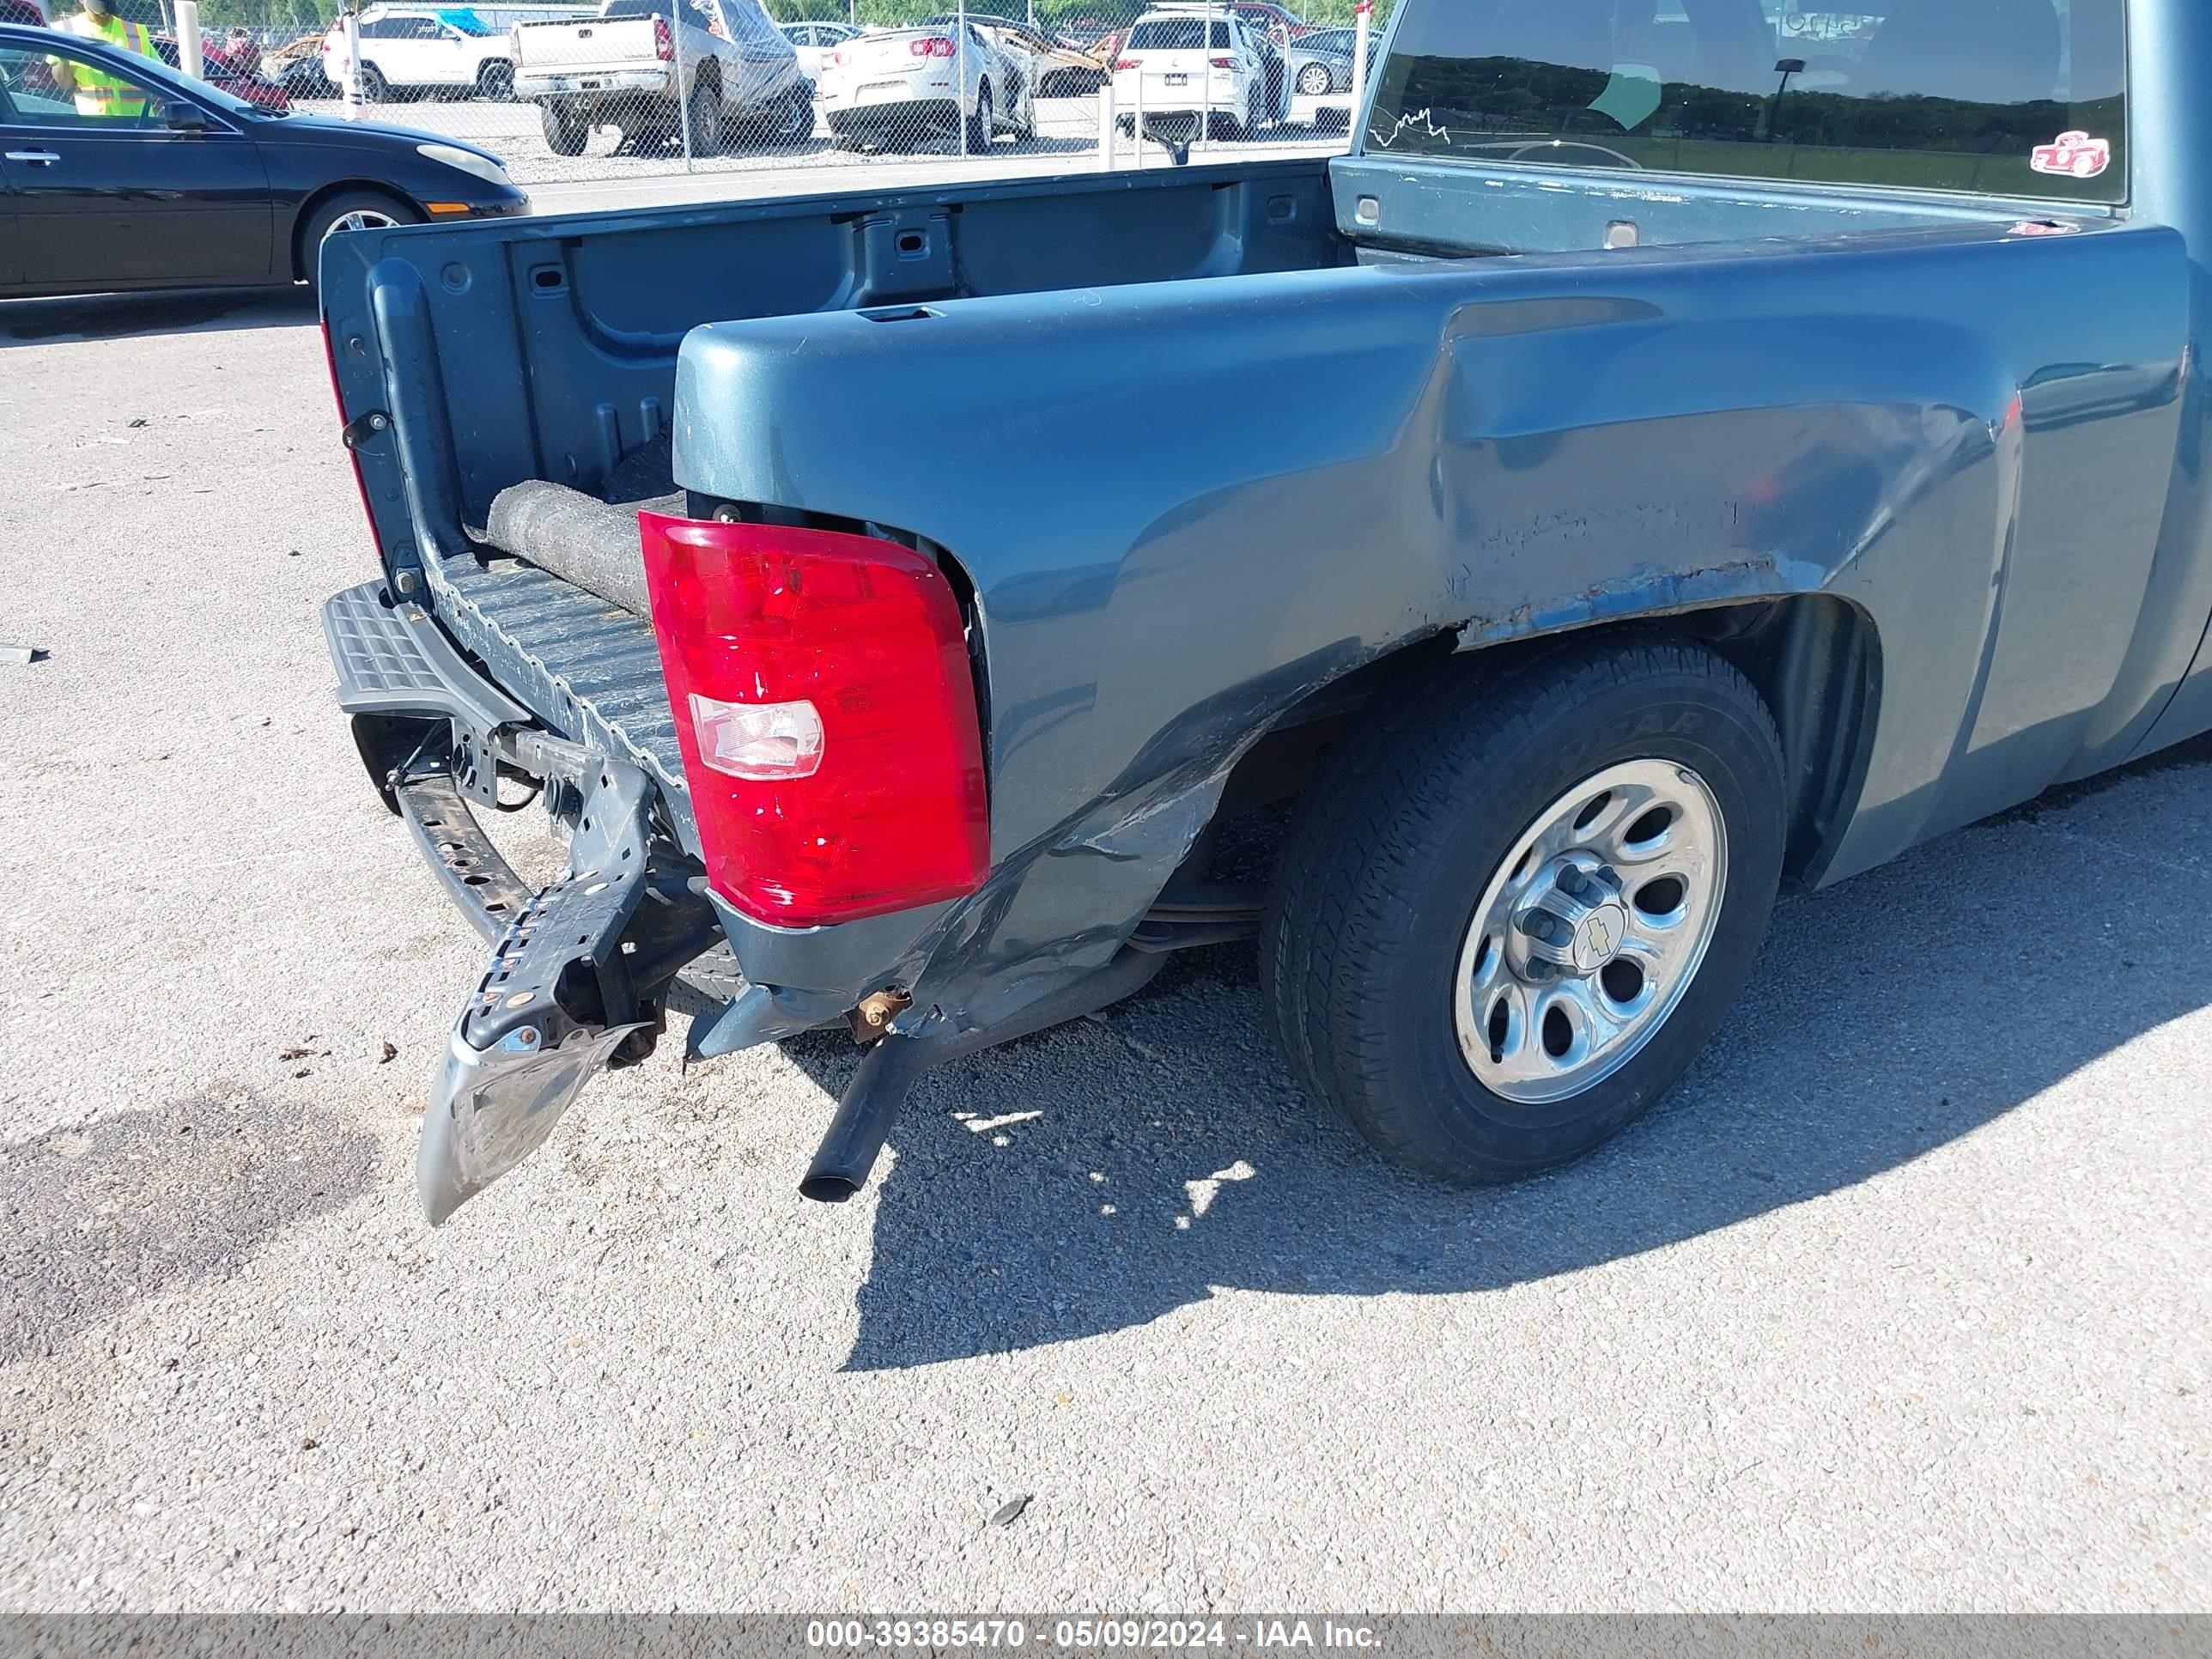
[
  {"x": 560, "y": 998},
  {"x": 578, "y": 969}
]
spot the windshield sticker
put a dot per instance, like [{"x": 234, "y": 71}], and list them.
[
  {"x": 1632, "y": 97},
  {"x": 2073, "y": 155}
]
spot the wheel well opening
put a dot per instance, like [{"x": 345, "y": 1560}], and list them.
[
  {"x": 302, "y": 255},
  {"x": 1814, "y": 658}
]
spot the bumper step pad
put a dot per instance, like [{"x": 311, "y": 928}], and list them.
[{"x": 392, "y": 659}]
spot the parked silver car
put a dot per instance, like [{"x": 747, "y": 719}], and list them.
[{"x": 1320, "y": 62}]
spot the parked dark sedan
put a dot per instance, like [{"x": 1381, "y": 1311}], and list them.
[{"x": 189, "y": 186}]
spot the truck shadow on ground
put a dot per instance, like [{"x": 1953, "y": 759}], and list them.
[
  {"x": 103, "y": 1214},
  {"x": 1097, "y": 1176},
  {"x": 118, "y": 316}
]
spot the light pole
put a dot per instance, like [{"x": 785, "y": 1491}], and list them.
[{"x": 1786, "y": 68}]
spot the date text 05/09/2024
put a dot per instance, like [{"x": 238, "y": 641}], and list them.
[{"x": 1088, "y": 1634}]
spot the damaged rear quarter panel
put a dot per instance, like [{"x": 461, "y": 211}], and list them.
[{"x": 1183, "y": 506}]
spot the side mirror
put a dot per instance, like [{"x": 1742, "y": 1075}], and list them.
[{"x": 186, "y": 118}]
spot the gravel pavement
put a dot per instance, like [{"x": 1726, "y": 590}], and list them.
[{"x": 1902, "y": 1301}]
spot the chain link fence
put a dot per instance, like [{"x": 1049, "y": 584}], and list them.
[{"x": 644, "y": 88}]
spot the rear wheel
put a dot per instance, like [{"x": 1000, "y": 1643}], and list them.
[
  {"x": 794, "y": 121},
  {"x": 706, "y": 117},
  {"x": 564, "y": 136},
  {"x": 353, "y": 209},
  {"x": 1314, "y": 79},
  {"x": 1518, "y": 906},
  {"x": 496, "y": 80},
  {"x": 985, "y": 127}
]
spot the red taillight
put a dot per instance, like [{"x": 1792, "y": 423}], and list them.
[
  {"x": 837, "y": 58},
  {"x": 663, "y": 43},
  {"x": 935, "y": 46},
  {"x": 1223, "y": 62},
  {"x": 1126, "y": 64},
  {"x": 359, "y": 483},
  {"x": 822, "y": 695}
]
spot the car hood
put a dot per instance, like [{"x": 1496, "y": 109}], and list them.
[{"x": 325, "y": 129}]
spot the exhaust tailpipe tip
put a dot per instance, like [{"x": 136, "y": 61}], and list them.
[{"x": 828, "y": 1188}]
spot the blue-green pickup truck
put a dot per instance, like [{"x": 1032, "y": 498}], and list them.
[{"x": 1686, "y": 451}]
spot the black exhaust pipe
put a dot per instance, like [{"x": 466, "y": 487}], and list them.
[
  {"x": 871, "y": 1105},
  {"x": 864, "y": 1118}
]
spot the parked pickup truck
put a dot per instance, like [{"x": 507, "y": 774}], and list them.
[
  {"x": 1691, "y": 493},
  {"x": 726, "y": 74}
]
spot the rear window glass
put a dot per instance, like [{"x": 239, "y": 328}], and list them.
[
  {"x": 1175, "y": 34},
  {"x": 2003, "y": 97}
]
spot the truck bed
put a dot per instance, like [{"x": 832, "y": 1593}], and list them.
[
  {"x": 589, "y": 671},
  {"x": 549, "y": 351}
]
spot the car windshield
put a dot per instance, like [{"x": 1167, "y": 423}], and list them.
[
  {"x": 2008, "y": 97},
  {"x": 1175, "y": 34}
]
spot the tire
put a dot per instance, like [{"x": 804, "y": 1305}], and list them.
[
  {"x": 365, "y": 207},
  {"x": 1315, "y": 79},
  {"x": 1370, "y": 953},
  {"x": 793, "y": 122},
  {"x": 984, "y": 126},
  {"x": 496, "y": 80},
  {"x": 374, "y": 88},
  {"x": 706, "y": 117},
  {"x": 562, "y": 135}
]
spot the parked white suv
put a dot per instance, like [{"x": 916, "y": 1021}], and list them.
[
  {"x": 419, "y": 49},
  {"x": 1184, "y": 69}
]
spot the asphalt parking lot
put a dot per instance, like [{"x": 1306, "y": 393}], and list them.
[{"x": 1903, "y": 1300}]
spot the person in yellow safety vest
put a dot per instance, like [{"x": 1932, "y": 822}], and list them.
[{"x": 97, "y": 93}]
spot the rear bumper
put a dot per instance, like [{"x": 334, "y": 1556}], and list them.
[
  {"x": 591, "y": 83},
  {"x": 578, "y": 689},
  {"x": 893, "y": 100},
  {"x": 579, "y": 969}
]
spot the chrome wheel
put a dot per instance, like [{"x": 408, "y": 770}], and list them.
[
  {"x": 1590, "y": 930},
  {"x": 359, "y": 219}
]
